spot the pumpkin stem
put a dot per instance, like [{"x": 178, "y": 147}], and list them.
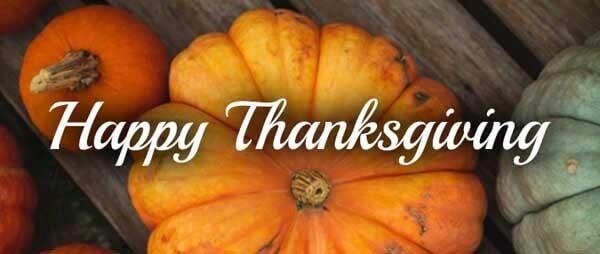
[
  {"x": 77, "y": 70},
  {"x": 310, "y": 188}
]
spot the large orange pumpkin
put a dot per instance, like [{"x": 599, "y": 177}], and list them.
[
  {"x": 253, "y": 201},
  {"x": 78, "y": 249},
  {"x": 91, "y": 54},
  {"x": 15, "y": 14},
  {"x": 17, "y": 198}
]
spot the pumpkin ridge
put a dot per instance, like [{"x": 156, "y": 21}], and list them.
[
  {"x": 285, "y": 237},
  {"x": 310, "y": 105},
  {"x": 280, "y": 56},
  {"x": 224, "y": 198},
  {"x": 317, "y": 229},
  {"x": 154, "y": 168},
  {"x": 407, "y": 81},
  {"x": 28, "y": 198},
  {"x": 558, "y": 117},
  {"x": 277, "y": 240},
  {"x": 239, "y": 51},
  {"x": 254, "y": 83},
  {"x": 429, "y": 222},
  {"x": 61, "y": 36},
  {"x": 221, "y": 198},
  {"x": 565, "y": 227},
  {"x": 373, "y": 177},
  {"x": 234, "y": 241},
  {"x": 313, "y": 89},
  {"x": 337, "y": 74},
  {"x": 330, "y": 235},
  {"x": 579, "y": 85},
  {"x": 257, "y": 89},
  {"x": 313, "y": 92},
  {"x": 535, "y": 211},
  {"x": 169, "y": 228},
  {"x": 277, "y": 162},
  {"x": 403, "y": 200},
  {"x": 18, "y": 197},
  {"x": 389, "y": 107},
  {"x": 377, "y": 222}
]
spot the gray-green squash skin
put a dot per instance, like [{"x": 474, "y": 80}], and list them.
[
  {"x": 567, "y": 227},
  {"x": 545, "y": 180},
  {"x": 555, "y": 200},
  {"x": 593, "y": 41},
  {"x": 569, "y": 94}
]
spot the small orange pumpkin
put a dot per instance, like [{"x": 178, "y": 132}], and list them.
[
  {"x": 17, "y": 198},
  {"x": 78, "y": 249},
  {"x": 91, "y": 54},
  {"x": 253, "y": 201},
  {"x": 15, "y": 14}
]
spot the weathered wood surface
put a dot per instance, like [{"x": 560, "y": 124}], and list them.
[
  {"x": 446, "y": 41},
  {"x": 548, "y": 26},
  {"x": 178, "y": 22},
  {"x": 94, "y": 172}
]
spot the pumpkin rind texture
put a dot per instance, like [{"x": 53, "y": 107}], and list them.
[
  {"x": 18, "y": 198},
  {"x": 228, "y": 201},
  {"x": 78, "y": 249},
  {"x": 129, "y": 66},
  {"x": 16, "y": 14},
  {"x": 554, "y": 200}
]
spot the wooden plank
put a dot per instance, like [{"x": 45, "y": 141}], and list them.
[
  {"x": 178, "y": 22},
  {"x": 548, "y": 26},
  {"x": 94, "y": 172},
  {"x": 447, "y": 43}
]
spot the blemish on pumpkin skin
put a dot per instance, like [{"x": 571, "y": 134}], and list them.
[
  {"x": 164, "y": 239},
  {"x": 300, "y": 20},
  {"x": 427, "y": 196},
  {"x": 572, "y": 165},
  {"x": 393, "y": 248},
  {"x": 420, "y": 98},
  {"x": 419, "y": 217},
  {"x": 268, "y": 247},
  {"x": 400, "y": 58}
]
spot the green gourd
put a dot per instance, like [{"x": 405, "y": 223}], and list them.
[{"x": 554, "y": 201}]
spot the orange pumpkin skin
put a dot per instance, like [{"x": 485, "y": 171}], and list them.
[
  {"x": 15, "y": 14},
  {"x": 17, "y": 198},
  {"x": 131, "y": 68},
  {"x": 252, "y": 201},
  {"x": 78, "y": 249}
]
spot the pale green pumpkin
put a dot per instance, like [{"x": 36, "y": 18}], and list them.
[{"x": 554, "y": 201}]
